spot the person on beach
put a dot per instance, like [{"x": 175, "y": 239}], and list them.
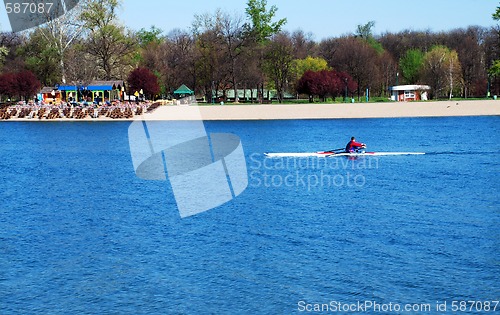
[{"x": 354, "y": 146}]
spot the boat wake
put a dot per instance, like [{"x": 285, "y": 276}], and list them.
[{"x": 464, "y": 153}]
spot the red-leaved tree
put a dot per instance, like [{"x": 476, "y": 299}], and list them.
[
  {"x": 325, "y": 83},
  {"x": 8, "y": 84},
  {"x": 145, "y": 80},
  {"x": 307, "y": 84},
  {"x": 26, "y": 84},
  {"x": 349, "y": 85},
  {"x": 23, "y": 84}
]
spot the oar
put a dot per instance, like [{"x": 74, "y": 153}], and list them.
[{"x": 335, "y": 150}]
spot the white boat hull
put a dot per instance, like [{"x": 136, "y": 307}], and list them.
[{"x": 331, "y": 154}]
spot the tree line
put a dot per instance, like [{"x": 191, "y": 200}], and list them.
[{"x": 250, "y": 51}]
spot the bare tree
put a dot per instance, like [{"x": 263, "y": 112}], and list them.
[
  {"x": 303, "y": 44},
  {"x": 179, "y": 65},
  {"x": 397, "y": 44},
  {"x": 327, "y": 49},
  {"x": 469, "y": 45},
  {"x": 278, "y": 62},
  {"x": 212, "y": 62},
  {"x": 11, "y": 42},
  {"x": 356, "y": 57},
  {"x": 232, "y": 32},
  {"x": 388, "y": 72},
  {"x": 61, "y": 32},
  {"x": 80, "y": 65}
]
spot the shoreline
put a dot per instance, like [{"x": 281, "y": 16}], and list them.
[{"x": 305, "y": 111}]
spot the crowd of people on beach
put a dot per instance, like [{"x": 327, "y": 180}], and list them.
[{"x": 79, "y": 111}]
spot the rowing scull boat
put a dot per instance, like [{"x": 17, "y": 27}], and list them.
[{"x": 333, "y": 154}]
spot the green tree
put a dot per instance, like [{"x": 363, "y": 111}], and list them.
[
  {"x": 365, "y": 32},
  {"x": 442, "y": 71},
  {"x": 42, "y": 58},
  {"x": 259, "y": 32},
  {"x": 150, "y": 52},
  {"x": 411, "y": 65},
  {"x": 300, "y": 66},
  {"x": 495, "y": 68},
  {"x": 149, "y": 37},
  {"x": 262, "y": 27},
  {"x": 4, "y": 51},
  {"x": 454, "y": 73},
  {"x": 496, "y": 15},
  {"x": 310, "y": 63},
  {"x": 108, "y": 41}
]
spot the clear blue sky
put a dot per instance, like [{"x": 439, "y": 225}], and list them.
[{"x": 323, "y": 18}]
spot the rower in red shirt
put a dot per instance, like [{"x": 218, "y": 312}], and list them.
[{"x": 354, "y": 146}]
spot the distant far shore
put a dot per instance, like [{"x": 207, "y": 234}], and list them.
[{"x": 310, "y": 111}]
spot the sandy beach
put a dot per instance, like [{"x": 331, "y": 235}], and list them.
[
  {"x": 312, "y": 111},
  {"x": 329, "y": 111}
]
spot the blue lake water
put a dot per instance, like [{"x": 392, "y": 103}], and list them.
[{"x": 81, "y": 234}]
